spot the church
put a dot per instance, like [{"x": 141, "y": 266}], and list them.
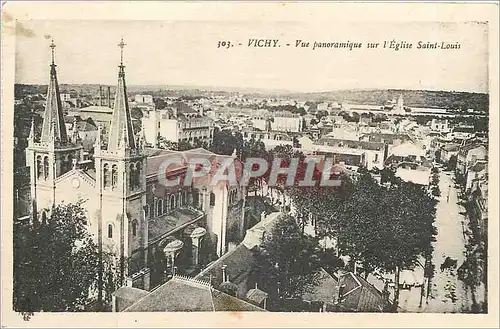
[{"x": 156, "y": 230}]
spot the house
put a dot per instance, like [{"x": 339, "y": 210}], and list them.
[
  {"x": 447, "y": 151},
  {"x": 287, "y": 121},
  {"x": 177, "y": 123},
  {"x": 407, "y": 151},
  {"x": 467, "y": 156},
  {"x": 477, "y": 171},
  {"x": 440, "y": 125},
  {"x": 358, "y": 295},
  {"x": 412, "y": 172},
  {"x": 375, "y": 153},
  {"x": 326, "y": 291}
]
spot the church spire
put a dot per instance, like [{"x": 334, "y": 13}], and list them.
[
  {"x": 53, "y": 127},
  {"x": 121, "y": 133}
]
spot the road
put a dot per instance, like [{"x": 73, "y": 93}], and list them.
[{"x": 447, "y": 294}]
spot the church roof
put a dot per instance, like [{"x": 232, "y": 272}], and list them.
[
  {"x": 121, "y": 132},
  {"x": 166, "y": 224},
  {"x": 53, "y": 127}
]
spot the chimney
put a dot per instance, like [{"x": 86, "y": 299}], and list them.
[
  {"x": 224, "y": 275},
  {"x": 109, "y": 96},
  {"x": 100, "y": 95}
]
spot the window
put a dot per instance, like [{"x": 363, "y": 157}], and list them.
[
  {"x": 146, "y": 210},
  {"x": 105, "y": 175},
  {"x": 114, "y": 176},
  {"x": 137, "y": 174},
  {"x": 110, "y": 231},
  {"x": 212, "y": 198},
  {"x": 376, "y": 157},
  {"x": 39, "y": 166},
  {"x": 159, "y": 207},
  {"x": 172, "y": 202},
  {"x": 46, "y": 167},
  {"x": 134, "y": 228}
]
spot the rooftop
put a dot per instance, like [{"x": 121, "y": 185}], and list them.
[
  {"x": 183, "y": 294},
  {"x": 178, "y": 218}
]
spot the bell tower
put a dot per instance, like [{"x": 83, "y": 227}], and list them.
[
  {"x": 52, "y": 154},
  {"x": 120, "y": 164}
]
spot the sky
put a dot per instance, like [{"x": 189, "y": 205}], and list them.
[{"x": 186, "y": 53}]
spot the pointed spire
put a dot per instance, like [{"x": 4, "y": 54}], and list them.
[
  {"x": 53, "y": 120},
  {"x": 121, "y": 132}
]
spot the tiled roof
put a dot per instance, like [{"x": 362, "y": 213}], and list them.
[
  {"x": 326, "y": 290},
  {"x": 256, "y": 295},
  {"x": 162, "y": 225},
  {"x": 359, "y": 295},
  {"x": 352, "y": 144},
  {"x": 176, "y": 295},
  {"x": 226, "y": 303},
  {"x": 154, "y": 163},
  {"x": 126, "y": 296},
  {"x": 182, "y": 294},
  {"x": 240, "y": 263},
  {"x": 480, "y": 165}
]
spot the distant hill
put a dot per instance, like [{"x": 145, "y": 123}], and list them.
[{"x": 412, "y": 98}]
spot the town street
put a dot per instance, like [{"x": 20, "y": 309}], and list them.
[{"x": 447, "y": 294}]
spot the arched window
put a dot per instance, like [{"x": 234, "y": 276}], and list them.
[
  {"x": 159, "y": 207},
  {"x": 114, "y": 176},
  {"x": 105, "y": 175},
  {"x": 137, "y": 177},
  {"x": 172, "y": 202},
  {"x": 212, "y": 198},
  {"x": 134, "y": 228},
  {"x": 131, "y": 176},
  {"x": 46, "y": 167},
  {"x": 146, "y": 211},
  {"x": 39, "y": 168},
  {"x": 110, "y": 231}
]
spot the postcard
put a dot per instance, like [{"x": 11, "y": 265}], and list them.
[{"x": 237, "y": 164}]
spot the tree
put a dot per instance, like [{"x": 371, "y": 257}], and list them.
[
  {"x": 167, "y": 145},
  {"x": 407, "y": 232},
  {"x": 225, "y": 142},
  {"x": 385, "y": 229},
  {"x": 136, "y": 113},
  {"x": 288, "y": 265},
  {"x": 57, "y": 264}
]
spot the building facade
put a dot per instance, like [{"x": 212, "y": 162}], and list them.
[{"x": 150, "y": 227}]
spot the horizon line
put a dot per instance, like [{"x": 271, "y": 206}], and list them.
[{"x": 258, "y": 89}]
